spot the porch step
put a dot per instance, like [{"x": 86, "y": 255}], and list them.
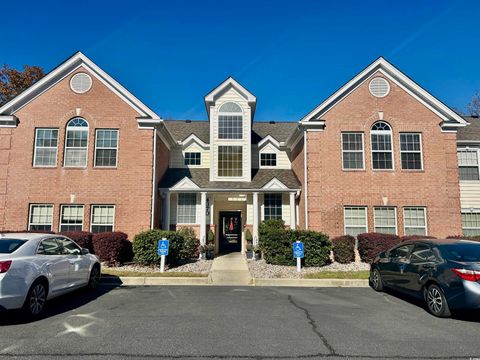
[{"x": 230, "y": 269}]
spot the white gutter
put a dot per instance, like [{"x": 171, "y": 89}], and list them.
[
  {"x": 154, "y": 177},
  {"x": 305, "y": 176}
]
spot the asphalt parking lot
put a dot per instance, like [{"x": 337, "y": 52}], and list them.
[{"x": 237, "y": 322}]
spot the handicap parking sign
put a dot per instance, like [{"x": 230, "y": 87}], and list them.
[
  {"x": 163, "y": 247},
  {"x": 298, "y": 251}
]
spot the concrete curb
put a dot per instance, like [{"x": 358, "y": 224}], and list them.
[
  {"x": 312, "y": 282},
  {"x": 136, "y": 281}
]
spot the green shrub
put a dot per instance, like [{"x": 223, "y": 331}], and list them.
[
  {"x": 191, "y": 244},
  {"x": 344, "y": 249},
  {"x": 248, "y": 235},
  {"x": 317, "y": 246},
  {"x": 145, "y": 247},
  {"x": 210, "y": 236}
]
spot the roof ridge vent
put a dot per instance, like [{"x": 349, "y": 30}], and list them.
[
  {"x": 271, "y": 122},
  {"x": 188, "y": 121}
]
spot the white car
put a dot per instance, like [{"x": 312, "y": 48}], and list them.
[{"x": 37, "y": 267}]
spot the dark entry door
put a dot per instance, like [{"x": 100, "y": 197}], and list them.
[{"x": 230, "y": 231}]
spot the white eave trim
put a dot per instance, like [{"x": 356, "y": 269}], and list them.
[
  {"x": 210, "y": 190},
  {"x": 194, "y": 138},
  {"x": 230, "y": 81},
  {"x": 8, "y": 121},
  {"x": 270, "y": 139}
]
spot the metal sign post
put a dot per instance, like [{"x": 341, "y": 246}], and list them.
[
  {"x": 299, "y": 253},
  {"x": 162, "y": 252}
]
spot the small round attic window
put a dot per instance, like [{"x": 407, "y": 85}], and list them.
[
  {"x": 379, "y": 87},
  {"x": 80, "y": 83}
]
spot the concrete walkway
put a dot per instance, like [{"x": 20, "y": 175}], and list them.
[{"x": 230, "y": 269}]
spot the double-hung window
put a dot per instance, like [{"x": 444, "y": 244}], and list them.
[
  {"x": 381, "y": 142},
  {"x": 411, "y": 151},
  {"x": 352, "y": 151},
  {"x": 468, "y": 163},
  {"x": 46, "y": 147},
  {"x": 268, "y": 159},
  {"x": 230, "y": 161},
  {"x": 106, "y": 147},
  {"x": 355, "y": 220},
  {"x": 187, "y": 208},
  {"x": 415, "y": 220},
  {"x": 193, "y": 158},
  {"x": 230, "y": 121},
  {"x": 471, "y": 223},
  {"x": 272, "y": 206},
  {"x": 385, "y": 218},
  {"x": 102, "y": 218},
  {"x": 40, "y": 217},
  {"x": 76, "y": 142},
  {"x": 71, "y": 218}
]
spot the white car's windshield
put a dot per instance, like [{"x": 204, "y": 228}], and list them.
[{"x": 8, "y": 246}]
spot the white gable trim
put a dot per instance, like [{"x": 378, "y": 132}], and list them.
[
  {"x": 230, "y": 82},
  {"x": 194, "y": 138},
  {"x": 66, "y": 68},
  {"x": 450, "y": 118},
  {"x": 270, "y": 139},
  {"x": 185, "y": 184},
  {"x": 275, "y": 184}
]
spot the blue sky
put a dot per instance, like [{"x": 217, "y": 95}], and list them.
[{"x": 290, "y": 54}]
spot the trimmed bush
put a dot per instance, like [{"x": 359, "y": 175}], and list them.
[
  {"x": 145, "y": 247},
  {"x": 344, "y": 249},
  {"x": 83, "y": 238},
  {"x": 416, "y": 237},
  {"x": 472, "y": 238},
  {"x": 372, "y": 244},
  {"x": 190, "y": 246},
  {"x": 112, "y": 247},
  {"x": 276, "y": 244}
]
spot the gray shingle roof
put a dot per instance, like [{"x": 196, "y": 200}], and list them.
[
  {"x": 470, "y": 132},
  {"x": 181, "y": 129},
  {"x": 200, "y": 177}
]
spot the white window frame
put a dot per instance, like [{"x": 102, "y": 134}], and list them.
[
  {"x": 191, "y": 152},
  {"x": 45, "y": 147},
  {"x": 354, "y": 226},
  {"x": 114, "y": 216},
  {"x": 470, "y": 211},
  {"x": 30, "y": 215},
  {"x": 195, "y": 207},
  {"x": 230, "y": 113},
  {"x": 218, "y": 160},
  {"x": 411, "y": 151},
  {"x": 281, "y": 206},
  {"x": 105, "y": 148},
  {"x": 375, "y": 220},
  {"x": 61, "y": 216},
  {"x": 65, "y": 145},
  {"x": 363, "y": 150},
  {"x": 268, "y": 166},
  {"x": 469, "y": 149},
  {"x": 424, "y": 208},
  {"x": 382, "y": 132}
]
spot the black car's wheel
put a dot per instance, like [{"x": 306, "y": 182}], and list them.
[
  {"x": 94, "y": 279},
  {"x": 36, "y": 299},
  {"x": 377, "y": 283},
  {"x": 436, "y": 302}
]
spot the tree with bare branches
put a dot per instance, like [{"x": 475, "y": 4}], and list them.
[
  {"x": 473, "y": 106},
  {"x": 13, "y": 81}
]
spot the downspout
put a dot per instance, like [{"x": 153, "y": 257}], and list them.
[
  {"x": 154, "y": 177},
  {"x": 305, "y": 175}
]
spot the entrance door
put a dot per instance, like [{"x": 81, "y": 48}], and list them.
[{"x": 230, "y": 231}]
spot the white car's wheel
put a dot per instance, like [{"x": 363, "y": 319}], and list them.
[
  {"x": 36, "y": 299},
  {"x": 94, "y": 279}
]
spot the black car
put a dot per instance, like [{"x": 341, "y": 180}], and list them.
[{"x": 444, "y": 273}]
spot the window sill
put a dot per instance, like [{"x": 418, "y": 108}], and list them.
[
  {"x": 105, "y": 167},
  {"x": 74, "y": 168},
  {"x": 354, "y": 170},
  {"x": 44, "y": 167},
  {"x": 383, "y": 170},
  {"x": 413, "y": 170}
]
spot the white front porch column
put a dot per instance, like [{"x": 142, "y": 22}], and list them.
[
  {"x": 293, "y": 210},
  {"x": 166, "y": 212},
  {"x": 203, "y": 219},
  {"x": 255, "y": 218}
]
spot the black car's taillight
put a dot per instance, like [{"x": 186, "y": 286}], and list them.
[
  {"x": 5, "y": 265},
  {"x": 469, "y": 275}
]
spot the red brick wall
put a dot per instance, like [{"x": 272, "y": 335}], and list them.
[
  {"x": 129, "y": 186},
  {"x": 330, "y": 188}
]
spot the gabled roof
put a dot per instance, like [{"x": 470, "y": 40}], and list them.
[
  {"x": 64, "y": 69},
  {"x": 450, "y": 118},
  {"x": 229, "y": 83},
  {"x": 470, "y": 133}
]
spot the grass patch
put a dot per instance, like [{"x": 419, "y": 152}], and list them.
[
  {"x": 338, "y": 275},
  {"x": 127, "y": 273}
]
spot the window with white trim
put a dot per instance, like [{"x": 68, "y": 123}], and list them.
[
  {"x": 415, "y": 220},
  {"x": 230, "y": 121},
  {"x": 385, "y": 219},
  {"x": 230, "y": 161},
  {"x": 352, "y": 151},
  {"x": 411, "y": 151},
  {"x": 76, "y": 142},
  {"x": 40, "y": 217},
  {"x": 272, "y": 206},
  {"x": 355, "y": 218},
  {"x": 102, "y": 218},
  {"x": 381, "y": 141},
  {"x": 106, "y": 147},
  {"x": 71, "y": 218},
  {"x": 46, "y": 147},
  {"x": 193, "y": 158},
  {"x": 471, "y": 223},
  {"x": 468, "y": 164},
  {"x": 268, "y": 159},
  {"x": 187, "y": 208}
]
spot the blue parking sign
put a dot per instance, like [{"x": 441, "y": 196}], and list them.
[
  {"x": 163, "y": 247},
  {"x": 298, "y": 251}
]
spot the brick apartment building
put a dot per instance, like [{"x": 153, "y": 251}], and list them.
[{"x": 78, "y": 151}]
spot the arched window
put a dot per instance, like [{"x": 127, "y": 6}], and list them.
[
  {"x": 230, "y": 121},
  {"x": 76, "y": 142},
  {"x": 381, "y": 141}
]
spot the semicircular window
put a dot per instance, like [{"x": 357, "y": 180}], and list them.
[
  {"x": 382, "y": 152},
  {"x": 76, "y": 143},
  {"x": 230, "y": 107}
]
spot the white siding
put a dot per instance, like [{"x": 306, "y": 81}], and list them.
[
  {"x": 285, "y": 208},
  {"x": 177, "y": 156},
  {"x": 283, "y": 161},
  {"x": 470, "y": 194}
]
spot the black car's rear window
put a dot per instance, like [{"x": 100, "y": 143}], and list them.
[
  {"x": 8, "y": 246},
  {"x": 468, "y": 252}
]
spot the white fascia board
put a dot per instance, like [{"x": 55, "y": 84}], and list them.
[
  {"x": 213, "y": 190},
  {"x": 210, "y": 97},
  {"x": 195, "y": 139},
  {"x": 185, "y": 184},
  {"x": 274, "y": 184},
  {"x": 270, "y": 139}
]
